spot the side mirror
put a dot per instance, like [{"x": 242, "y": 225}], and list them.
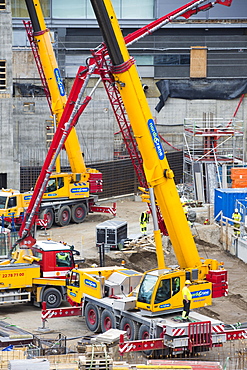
[{"x": 67, "y": 279}]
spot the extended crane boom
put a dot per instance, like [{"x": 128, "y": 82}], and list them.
[
  {"x": 158, "y": 173},
  {"x": 54, "y": 82}
]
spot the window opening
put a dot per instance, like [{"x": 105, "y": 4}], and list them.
[
  {"x": 29, "y": 107},
  {"x": 2, "y": 4},
  {"x": 2, "y": 74},
  {"x": 172, "y": 59}
]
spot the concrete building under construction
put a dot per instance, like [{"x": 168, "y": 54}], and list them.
[{"x": 195, "y": 67}]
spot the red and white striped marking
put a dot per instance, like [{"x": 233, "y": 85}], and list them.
[
  {"x": 47, "y": 314},
  {"x": 126, "y": 348},
  {"x": 218, "y": 328},
  {"x": 244, "y": 334},
  {"x": 61, "y": 312},
  {"x": 41, "y": 222},
  {"x": 236, "y": 334},
  {"x": 178, "y": 331}
]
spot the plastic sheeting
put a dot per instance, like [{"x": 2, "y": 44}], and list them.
[
  {"x": 200, "y": 89},
  {"x": 28, "y": 90}
]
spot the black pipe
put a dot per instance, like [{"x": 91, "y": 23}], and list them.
[
  {"x": 107, "y": 32},
  {"x": 101, "y": 247},
  {"x": 33, "y": 15}
]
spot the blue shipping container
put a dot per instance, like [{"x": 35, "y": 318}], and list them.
[{"x": 225, "y": 199}]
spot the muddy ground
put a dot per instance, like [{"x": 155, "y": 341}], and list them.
[{"x": 230, "y": 309}]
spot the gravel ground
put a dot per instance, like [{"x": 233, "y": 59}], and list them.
[{"x": 230, "y": 309}]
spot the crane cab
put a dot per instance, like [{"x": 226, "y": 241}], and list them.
[
  {"x": 67, "y": 186},
  {"x": 161, "y": 292}
]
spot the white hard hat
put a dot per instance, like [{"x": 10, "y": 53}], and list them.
[{"x": 236, "y": 210}]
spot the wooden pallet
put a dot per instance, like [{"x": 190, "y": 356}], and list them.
[{"x": 94, "y": 363}]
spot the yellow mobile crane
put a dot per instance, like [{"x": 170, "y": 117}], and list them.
[
  {"x": 68, "y": 196},
  {"x": 159, "y": 178},
  {"x": 122, "y": 298}
]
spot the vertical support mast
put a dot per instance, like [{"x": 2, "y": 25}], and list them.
[{"x": 156, "y": 167}]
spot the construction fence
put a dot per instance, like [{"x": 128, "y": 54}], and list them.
[
  {"x": 7, "y": 240},
  {"x": 232, "y": 356}
]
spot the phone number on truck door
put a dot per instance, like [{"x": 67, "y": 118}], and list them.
[{"x": 15, "y": 274}]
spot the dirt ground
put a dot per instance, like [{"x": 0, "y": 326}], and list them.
[{"x": 230, "y": 309}]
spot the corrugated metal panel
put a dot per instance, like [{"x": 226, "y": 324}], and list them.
[{"x": 225, "y": 199}]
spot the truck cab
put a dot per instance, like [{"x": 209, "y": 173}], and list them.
[
  {"x": 13, "y": 203},
  {"x": 67, "y": 186},
  {"x": 55, "y": 259}
]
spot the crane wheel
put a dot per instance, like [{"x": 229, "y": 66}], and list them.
[
  {"x": 130, "y": 327},
  {"x": 52, "y": 297},
  {"x": 143, "y": 335},
  {"x": 92, "y": 316},
  {"x": 108, "y": 321},
  {"x": 78, "y": 213},
  {"x": 49, "y": 215},
  {"x": 64, "y": 216}
]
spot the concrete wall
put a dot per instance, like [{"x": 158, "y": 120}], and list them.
[
  {"x": 95, "y": 129},
  {"x": 8, "y": 156},
  {"x": 97, "y": 125}
]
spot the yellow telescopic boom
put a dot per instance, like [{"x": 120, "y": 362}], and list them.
[
  {"x": 158, "y": 173},
  {"x": 54, "y": 82}
]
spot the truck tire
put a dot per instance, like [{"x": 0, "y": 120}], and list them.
[
  {"x": 107, "y": 321},
  {"x": 92, "y": 317},
  {"x": 130, "y": 327},
  {"x": 142, "y": 335},
  {"x": 78, "y": 213},
  {"x": 64, "y": 216},
  {"x": 49, "y": 215},
  {"x": 52, "y": 297}
]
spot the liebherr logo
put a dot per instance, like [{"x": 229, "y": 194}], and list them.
[{"x": 156, "y": 139}]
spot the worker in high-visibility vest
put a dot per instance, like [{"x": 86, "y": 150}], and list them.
[
  {"x": 187, "y": 297},
  {"x": 62, "y": 259},
  {"x": 185, "y": 208},
  {"x": 144, "y": 220},
  {"x": 236, "y": 216}
]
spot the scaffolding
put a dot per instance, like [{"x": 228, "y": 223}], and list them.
[{"x": 211, "y": 147}]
